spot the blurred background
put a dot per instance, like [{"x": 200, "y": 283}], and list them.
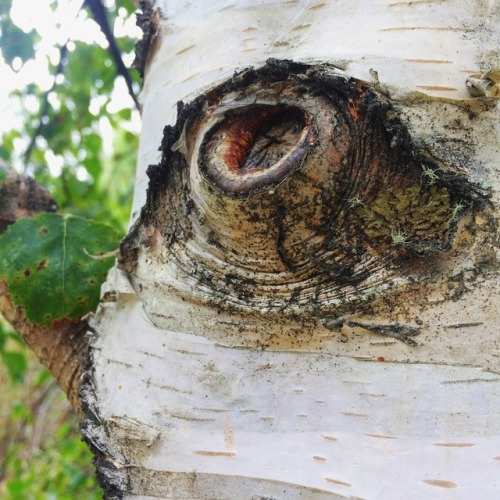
[{"x": 68, "y": 118}]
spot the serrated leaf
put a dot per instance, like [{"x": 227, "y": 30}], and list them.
[{"x": 51, "y": 265}]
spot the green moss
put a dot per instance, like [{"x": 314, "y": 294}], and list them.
[{"x": 421, "y": 215}]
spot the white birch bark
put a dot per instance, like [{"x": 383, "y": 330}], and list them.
[{"x": 189, "y": 403}]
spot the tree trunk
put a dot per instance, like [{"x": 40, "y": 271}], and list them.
[{"x": 305, "y": 305}]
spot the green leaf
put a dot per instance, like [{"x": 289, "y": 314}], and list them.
[
  {"x": 92, "y": 143},
  {"x": 17, "y": 488},
  {"x": 20, "y": 411},
  {"x": 125, "y": 113},
  {"x": 42, "y": 377},
  {"x": 129, "y": 5},
  {"x": 5, "y": 6},
  {"x": 92, "y": 166},
  {"x": 16, "y": 365},
  {"x": 52, "y": 266},
  {"x": 3, "y": 173},
  {"x": 14, "y": 42}
]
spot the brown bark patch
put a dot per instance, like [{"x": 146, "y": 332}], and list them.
[{"x": 440, "y": 483}]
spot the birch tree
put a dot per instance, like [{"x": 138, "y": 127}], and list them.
[{"x": 305, "y": 303}]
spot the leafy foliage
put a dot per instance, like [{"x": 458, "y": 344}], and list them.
[
  {"x": 53, "y": 267},
  {"x": 54, "y": 472},
  {"x": 13, "y": 359},
  {"x": 14, "y": 42},
  {"x": 81, "y": 148},
  {"x": 42, "y": 452},
  {"x": 79, "y": 139}
]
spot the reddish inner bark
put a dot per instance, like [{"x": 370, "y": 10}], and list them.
[{"x": 256, "y": 147}]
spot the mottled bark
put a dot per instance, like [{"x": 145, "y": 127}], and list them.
[{"x": 21, "y": 197}]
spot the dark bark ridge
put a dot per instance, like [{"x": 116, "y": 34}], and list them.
[
  {"x": 112, "y": 478},
  {"x": 147, "y": 20},
  {"x": 296, "y": 188}
]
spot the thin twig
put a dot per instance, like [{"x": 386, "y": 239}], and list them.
[
  {"x": 45, "y": 101},
  {"x": 99, "y": 14}
]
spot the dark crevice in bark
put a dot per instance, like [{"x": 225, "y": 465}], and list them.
[
  {"x": 280, "y": 239},
  {"x": 254, "y": 149},
  {"x": 112, "y": 479}
]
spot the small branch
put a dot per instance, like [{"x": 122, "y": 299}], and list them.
[
  {"x": 63, "y": 50},
  {"x": 99, "y": 15},
  {"x": 21, "y": 197},
  {"x": 63, "y": 348}
]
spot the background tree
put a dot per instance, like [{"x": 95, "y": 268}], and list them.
[{"x": 283, "y": 231}]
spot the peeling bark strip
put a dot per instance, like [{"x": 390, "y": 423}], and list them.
[{"x": 296, "y": 188}]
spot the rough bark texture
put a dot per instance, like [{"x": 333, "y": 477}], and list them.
[
  {"x": 263, "y": 274},
  {"x": 21, "y": 197},
  {"x": 306, "y": 306},
  {"x": 304, "y": 223},
  {"x": 316, "y": 224},
  {"x": 147, "y": 20}
]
